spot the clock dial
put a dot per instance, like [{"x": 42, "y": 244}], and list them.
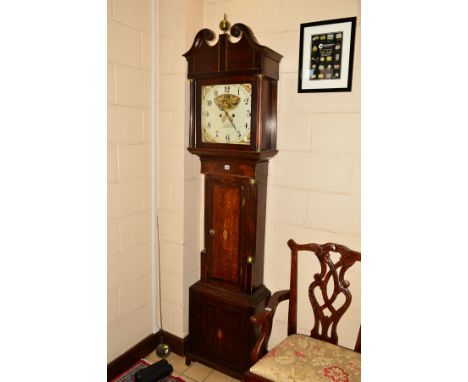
[{"x": 226, "y": 113}]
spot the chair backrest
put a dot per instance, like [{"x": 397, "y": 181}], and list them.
[{"x": 329, "y": 311}]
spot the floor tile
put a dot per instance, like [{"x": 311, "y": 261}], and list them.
[
  {"x": 216, "y": 376},
  {"x": 152, "y": 357},
  {"x": 178, "y": 363},
  {"x": 198, "y": 371}
]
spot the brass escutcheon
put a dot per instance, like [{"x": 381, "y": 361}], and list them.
[{"x": 212, "y": 232}]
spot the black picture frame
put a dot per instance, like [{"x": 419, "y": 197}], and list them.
[{"x": 326, "y": 55}]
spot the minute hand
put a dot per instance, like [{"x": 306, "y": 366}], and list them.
[{"x": 230, "y": 119}]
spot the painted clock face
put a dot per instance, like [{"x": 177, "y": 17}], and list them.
[{"x": 226, "y": 113}]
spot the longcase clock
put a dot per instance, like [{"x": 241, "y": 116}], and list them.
[{"x": 233, "y": 97}]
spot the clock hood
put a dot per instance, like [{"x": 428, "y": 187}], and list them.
[{"x": 244, "y": 57}]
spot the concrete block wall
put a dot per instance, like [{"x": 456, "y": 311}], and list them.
[
  {"x": 129, "y": 273},
  {"x": 179, "y": 179}
]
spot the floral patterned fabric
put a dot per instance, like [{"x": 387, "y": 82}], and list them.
[{"x": 305, "y": 359}]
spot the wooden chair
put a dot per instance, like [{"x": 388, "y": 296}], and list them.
[{"x": 318, "y": 357}]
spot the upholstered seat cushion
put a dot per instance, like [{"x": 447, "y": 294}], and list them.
[{"x": 302, "y": 358}]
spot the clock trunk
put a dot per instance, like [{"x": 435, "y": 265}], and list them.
[{"x": 235, "y": 204}]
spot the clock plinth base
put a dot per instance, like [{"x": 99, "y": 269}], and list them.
[{"x": 221, "y": 335}]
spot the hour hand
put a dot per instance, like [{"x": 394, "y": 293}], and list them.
[{"x": 226, "y": 115}]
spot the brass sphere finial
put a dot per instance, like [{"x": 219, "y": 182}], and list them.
[{"x": 224, "y": 25}]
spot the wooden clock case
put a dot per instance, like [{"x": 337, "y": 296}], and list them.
[{"x": 231, "y": 286}]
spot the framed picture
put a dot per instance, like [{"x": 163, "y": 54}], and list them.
[{"x": 326, "y": 53}]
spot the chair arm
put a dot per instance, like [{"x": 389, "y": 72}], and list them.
[{"x": 265, "y": 320}]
